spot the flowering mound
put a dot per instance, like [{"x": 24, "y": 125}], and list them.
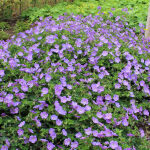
[{"x": 74, "y": 83}]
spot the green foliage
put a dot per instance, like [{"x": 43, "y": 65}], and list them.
[
  {"x": 137, "y": 10},
  {"x": 4, "y": 25},
  {"x": 4, "y": 35},
  {"x": 21, "y": 26}
]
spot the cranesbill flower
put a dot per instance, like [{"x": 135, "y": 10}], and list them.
[
  {"x": 14, "y": 110},
  {"x": 64, "y": 132},
  {"x": 130, "y": 134},
  {"x": 117, "y": 86},
  {"x": 104, "y": 53},
  {"x": 145, "y": 112},
  {"x": 88, "y": 131},
  {"x": 78, "y": 135},
  {"x": 58, "y": 89},
  {"x": 48, "y": 77},
  {"x": 99, "y": 115},
  {"x": 84, "y": 101},
  {"x": 67, "y": 141},
  {"x": 50, "y": 146},
  {"x": 7, "y": 142},
  {"x": 32, "y": 138},
  {"x": 8, "y": 98},
  {"x": 107, "y": 116},
  {"x": 44, "y": 91},
  {"x": 74, "y": 144},
  {"x": 58, "y": 122},
  {"x": 87, "y": 108},
  {"x": 24, "y": 88},
  {"x": 95, "y": 120},
  {"x": 20, "y": 132},
  {"x": 116, "y": 97},
  {"x": 142, "y": 132},
  {"x": 52, "y": 133},
  {"x": 113, "y": 144},
  {"x": 44, "y": 115},
  {"x": 125, "y": 122},
  {"x": 21, "y": 124},
  {"x": 80, "y": 109},
  {"x": 107, "y": 97},
  {"x": 2, "y": 73},
  {"x": 4, "y": 147},
  {"x": 54, "y": 117}
]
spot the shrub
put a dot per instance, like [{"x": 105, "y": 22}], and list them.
[{"x": 75, "y": 82}]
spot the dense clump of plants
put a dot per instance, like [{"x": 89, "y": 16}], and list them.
[
  {"x": 75, "y": 83},
  {"x": 135, "y": 11}
]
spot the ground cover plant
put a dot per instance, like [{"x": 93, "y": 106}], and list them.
[
  {"x": 75, "y": 83},
  {"x": 137, "y": 10}
]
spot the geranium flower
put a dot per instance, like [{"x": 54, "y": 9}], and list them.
[{"x": 32, "y": 138}]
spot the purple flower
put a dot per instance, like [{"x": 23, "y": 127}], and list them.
[
  {"x": 52, "y": 133},
  {"x": 145, "y": 112},
  {"x": 50, "y": 146},
  {"x": 4, "y": 147},
  {"x": 113, "y": 144},
  {"x": 117, "y": 86},
  {"x": 48, "y": 77},
  {"x": 107, "y": 116},
  {"x": 43, "y": 140},
  {"x": 58, "y": 89},
  {"x": 67, "y": 141},
  {"x": 14, "y": 110},
  {"x": 142, "y": 132},
  {"x": 24, "y": 88},
  {"x": 130, "y": 134},
  {"x": 84, "y": 101},
  {"x": 80, "y": 109},
  {"x": 99, "y": 115},
  {"x": 58, "y": 122},
  {"x": 88, "y": 131},
  {"x": 87, "y": 108},
  {"x": 21, "y": 124},
  {"x": 125, "y": 122},
  {"x": 108, "y": 97},
  {"x": 64, "y": 132},
  {"x": 44, "y": 115},
  {"x": 78, "y": 42},
  {"x": 95, "y": 120},
  {"x": 78, "y": 135},
  {"x": 54, "y": 117},
  {"x": 95, "y": 133},
  {"x": 7, "y": 142},
  {"x": 2, "y": 73},
  {"x": 63, "y": 99},
  {"x": 147, "y": 62},
  {"x": 99, "y": 7},
  {"x": 20, "y": 132},
  {"x": 32, "y": 138},
  {"x": 74, "y": 144},
  {"x": 116, "y": 97},
  {"x": 44, "y": 91},
  {"x": 8, "y": 98},
  {"x": 104, "y": 53},
  {"x": 95, "y": 87},
  {"x": 38, "y": 123}
]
